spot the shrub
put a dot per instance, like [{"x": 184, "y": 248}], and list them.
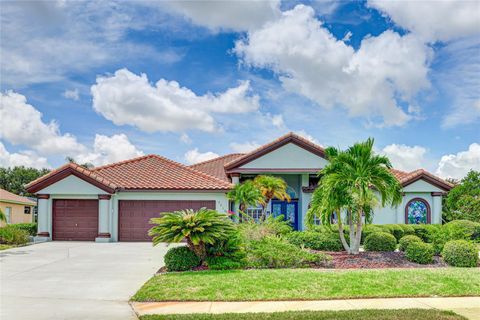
[
  {"x": 275, "y": 252},
  {"x": 460, "y": 253},
  {"x": 427, "y": 231},
  {"x": 327, "y": 241},
  {"x": 461, "y": 230},
  {"x": 12, "y": 235},
  {"x": 419, "y": 252},
  {"x": 407, "y": 229},
  {"x": 224, "y": 263},
  {"x": 31, "y": 228},
  {"x": 380, "y": 241},
  {"x": 181, "y": 259},
  {"x": 407, "y": 240},
  {"x": 396, "y": 230},
  {"x": 369, "y": 229}
]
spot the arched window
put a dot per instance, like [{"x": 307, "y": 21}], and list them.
[{"x": 417, "y": 211}]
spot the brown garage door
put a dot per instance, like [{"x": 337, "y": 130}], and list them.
[
  {"x": 75, "y": 219},
  {"x": 134, "y": 215}
]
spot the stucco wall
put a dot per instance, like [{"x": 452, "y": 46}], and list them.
[
  {"x": 17, "y": 214},
  {"x": 72, "y": 185}
]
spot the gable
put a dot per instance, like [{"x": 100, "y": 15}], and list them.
[
  {"x": 288, "y": 156},
  {"x": 421, "y": 185},
  {"x": 71, "y": 185}
]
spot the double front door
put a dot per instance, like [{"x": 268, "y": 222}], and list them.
[{"x": 288, "y": 209}]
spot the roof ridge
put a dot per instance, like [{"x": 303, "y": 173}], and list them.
[
  {"x": 217, "y": 158},
  {"x": 122, "y": 162}
]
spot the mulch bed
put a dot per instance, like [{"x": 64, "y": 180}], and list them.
[{"x": 370, "y": 260}]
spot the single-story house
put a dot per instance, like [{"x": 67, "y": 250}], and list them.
[
  {"x": 17, "y": 209},
  {"x": 115, "y": 202}
]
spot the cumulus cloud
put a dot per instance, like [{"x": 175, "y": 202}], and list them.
[
  {"x": 25, "y": 158},
  {"x": 109, "y": 149},
  {"x": 442, "y": 20},
  {"x": 128, "y": 99},
  {"x": 72, "y": 94},
  {"x": 185, "y": 138},
  {"x": 307, "y": 136},
  {"x": 405, "y": 157},
  {"x": 457, "y": 165},
  {"x": 26, "y": 127},
  {"x": 373, "y": 82},
  {"x": 231, "y": 15},
  {"x": 194, "y": 156},
  {"x": 244, "y": 147}
]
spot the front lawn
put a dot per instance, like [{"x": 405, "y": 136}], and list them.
[
  {"x": 5, "y": 247},
  {"x": 409, "y": 314},
  {"x": 309, "y": 284}
]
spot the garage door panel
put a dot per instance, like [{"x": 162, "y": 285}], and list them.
[
  {"x": 134, "y": 215},
  {"x": 75, "y": 219}
]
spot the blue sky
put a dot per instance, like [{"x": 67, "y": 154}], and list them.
[{"x": 105, "y": 81}]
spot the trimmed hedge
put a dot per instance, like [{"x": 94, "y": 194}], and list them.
[
  {"x": 327, "y": 241},
  {"x": 181, "y": 259},
  {"x": 31, "y": 228},
  {"x": 396, "y": 230},
  {"x": 13, "y": 235},
  {"x": 407, "y": 229},
  {"x": 462, "y": 230},
  {"x": 407, "y": 240},
  {"x": 419, "y": 252},
  {"x": 380, "y": 241},
  {"x": 460, "y": 253}
]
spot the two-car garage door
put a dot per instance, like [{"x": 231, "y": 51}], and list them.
[{"x": 134, "y": 215}]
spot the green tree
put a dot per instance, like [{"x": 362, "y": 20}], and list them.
[
  {"x": 271, "y": 188},
  {"x": 86, "y": 165},
  {"x": 198, "y": 228},
  {"x": 463, "y": 201},
  {"x": 14, "y": 179},
  {"x": 246, "y": 194},
  {"x": 351, "y": 184}
]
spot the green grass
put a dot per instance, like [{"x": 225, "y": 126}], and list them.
[
  {"x": 409, "y": 314},
  {"x": 309, "y": 284},
  {"x": 5, "y": 247}
]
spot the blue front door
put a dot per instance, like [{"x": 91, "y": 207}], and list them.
[{"x": 288, "y": 209}]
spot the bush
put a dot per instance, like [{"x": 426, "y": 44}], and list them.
[
  {"x": 407, "y": 229},
  {"x": 13, "y": 236},
  {"x": 419, "y": 252},
  {"x": 460, "y": 253},
  {"x": 369, "y": 229},
  {"x": 275, "y": 252},
  {"x": 461, "y": 230},
  {"x": 396, "y": 230},
  {"x": 427, "y": 232},
  {"x": 380, "y": 241},
  {"x": 327, "y": 241},
  {"x": 181, "y": 259},
  {"x": 407, "y": 240},
  {"x": 224, "y": 263},
  {"x": 31, "y": 228}
]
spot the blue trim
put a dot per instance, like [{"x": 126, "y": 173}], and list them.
[{"x": 280, "y": 207}]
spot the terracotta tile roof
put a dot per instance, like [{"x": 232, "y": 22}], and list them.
[
  {"x": 283, "y": 140},
  {"x": 399, "y": 174},
  {"x": 6, "y": 196},
  {"x": 153, "y": 172},
  {"x": 410, "y": 177},
  {"x": 215, "y": 167}
]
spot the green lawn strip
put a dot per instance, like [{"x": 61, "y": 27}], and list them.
[
  {"x": 5, "y": 247},
  {"x": 309, "y": 284},
  {"x": 408, "y": 314}
]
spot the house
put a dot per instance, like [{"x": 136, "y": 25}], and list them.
[
  {"x": 116, "y": 201},
  {"x": 17, "y": 209}
]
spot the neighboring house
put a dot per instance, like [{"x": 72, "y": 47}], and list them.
[
  {"x": 17, "y": 209},
  {"x": 116, "y": 201}
]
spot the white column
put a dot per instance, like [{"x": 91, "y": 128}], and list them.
[
  {"x": 43, "y": 230},
  {"x": 303, "y": 201},
  {"x": 436, "y": 207},
  {"x": 236, "y": 206},
  {"x": 103, "y": 219}
]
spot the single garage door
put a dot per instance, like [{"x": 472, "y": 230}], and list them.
[
  {"x": 134, "y": 215},
  {"x": 75, "y": 219}
]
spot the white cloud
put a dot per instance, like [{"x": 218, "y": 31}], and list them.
[
  {"x": 72, "y": 94},
  {"x": 369, "y": 82},
  {"x": 185, "y": 138},
  {"x": 457, "y": 165},
  {"x": 434, "y": 20},
  {"x": 404, "y": 157},
  {"x": 277, "y": 121},
  {"x": 126, "y": 98},
  {"x": 244, "y": 147},
  {"x": 307, "y": 136},
  {"x": 26, "y": 158},
  {"x": 26, "y": 127},
  {"x": 231, "y": 15},
  {"x": 109, "y": 149},
  {"x": 194, "y": 156}
]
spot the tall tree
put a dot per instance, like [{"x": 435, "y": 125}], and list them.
[
  {"x": 14, "y": 179},
  {"x": 271, "y": 188},
  {"x": 463, "y": 201},
  {"x": 350, "y": 185}
]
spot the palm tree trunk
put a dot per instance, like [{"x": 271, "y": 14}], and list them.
[
  {"x": 198, "y": 249},
  {"x": 342, "y": 236},
  {"x": 358, "y": 233},
  {"x": 352, "y": 232}
]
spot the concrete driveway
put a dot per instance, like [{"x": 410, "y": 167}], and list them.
[{"x": 75, "y": 280}]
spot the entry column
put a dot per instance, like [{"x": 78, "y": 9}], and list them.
[
  {"x": 103, "y": 218},
  {"x": 43, "y": 231}
]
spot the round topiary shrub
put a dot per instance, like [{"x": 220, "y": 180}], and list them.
[
  {"x": 407, "y": 240},
  {"x": 369, "y": 229},
  {"x": 419, "y": 252},
  {"x": 380, "y": 241},
  {"x": 181, "y": 259},
  {"x": 407, "y": 229},
  {"x": 396, "y": 230},
  {"x": 460, "y": 253},
  {"x": 460, "y": 230}
]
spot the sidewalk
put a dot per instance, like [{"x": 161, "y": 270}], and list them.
[{"x": 466, "y": 306}]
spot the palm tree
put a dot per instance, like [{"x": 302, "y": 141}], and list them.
[
  {"x": 350, "y": 184},
  {"x": 197, "y": 227},
  {"x": 246, "y": 194},
  {"x": 271, "y": 188}
]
